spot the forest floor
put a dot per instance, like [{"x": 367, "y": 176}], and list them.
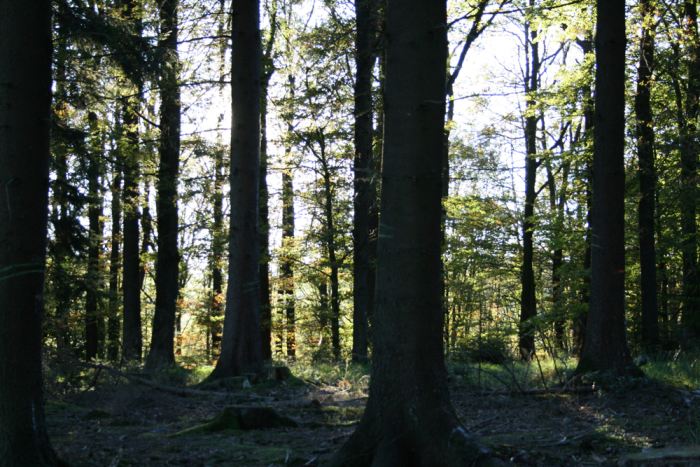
[{"x": 116, "y": 422}]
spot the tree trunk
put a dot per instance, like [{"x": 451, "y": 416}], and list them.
[
  {"x": 689, "y": 180},
  {"x": 409, "y": 419},
  {"x": 132, "y": 340},
  {"x": 286, "y": 263},
  {"x": 162, "y": 352},
  {"x": 605, "y": 347},
  {"x": 241, "y": 347},
  {"x": 364, "y": 176},
  {"x": 647, "y": 181},
  {"x": 264, "y": 220},
  {"x": 131, "y": 282},
  {"x": 528, "y": 300},
  {"x": 114, "y": 267},
  {"x": 330, "y": 237},
  {"x": 94, "y": 320},
  {"x": 25, "y": 100}
]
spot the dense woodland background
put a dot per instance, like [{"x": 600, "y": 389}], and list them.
[
  {"x": 170, "y": 256},
  {"x": 516, "y": 207}
]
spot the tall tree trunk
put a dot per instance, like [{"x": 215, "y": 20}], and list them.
[
  {"x": 131, "y": 281},
  {"x": 286, "y": 261},
  {"x": 647, "y": 180},
  {"x": 528, "y": 300},
  {"x": 605, "y": 347},
  {"x": 94, "y": 320},
  {"x": 25, "y": 100},
  {"x": 689, "y": 178},
  {"x": 556, "y": 206},
  {"x": 132, "y": 340},
  {"x": 331, "y": 247},
  {"x": 218, "y": 246},
  {"x": 268, "y": 68},
  {"x": 167, "y": 260},
  {"x": 409, "y": 419},
  {"x": 264, "y": 222},
  {"x": 364, "y": 176},
  {"x": 241, "y": 347},
  {"x": 114, "y": 266}
]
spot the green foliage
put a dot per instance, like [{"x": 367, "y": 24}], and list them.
[
  {"x": 488, "y": 348},
  {"x": 679, "y": 370}
]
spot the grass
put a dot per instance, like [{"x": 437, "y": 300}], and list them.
[
  {"x": 539, "y": 373},
  {"x": 347, "y": 375},
  {"x": 681, "y": 371}
]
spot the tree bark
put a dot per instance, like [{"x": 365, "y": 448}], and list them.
[
  {"x": 528, "y": 300},
  {"x": 605, "y": 347},
  {"x": 265, "y": 302},
  {"x": 241, "y": 347},
  {"x": 409, "y": 419},
  {"x": 94, "y": 319},
  {"x": 114, "y": 266},
  {"x": 162, "y": 352},
  {"x": 132, "y": 340},
  {"x": 647, "y": 180},
  {"x": 286, "y": 263},
  {"x": 131, "y": 281},
  {"x": 364, "y": 176},
  {"x": 25, "y": 100},
  {"x": 689, "y": 178}
]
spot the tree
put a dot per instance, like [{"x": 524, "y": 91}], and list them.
[
  {"x": 132, "y": 341},
  {"x": 647, "y": 178},
  {"x": 690, "y": 146},
  {"x": 409, "y": 419},
  {"x": 241, "y": 349},
  {"x": 25, "y": 100},
  {"x": 364, "y": 177},
  {"x": 167, "y": 260},
  {"x": 605, "y": 346},
  {"x": 94, "y": 319},
  {"x": 528, "y": 300}
]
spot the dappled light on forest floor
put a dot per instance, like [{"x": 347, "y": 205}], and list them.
[{"x": 121, "y": 424}]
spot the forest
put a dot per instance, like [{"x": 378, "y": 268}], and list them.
[{"x": 349, "y": 233}]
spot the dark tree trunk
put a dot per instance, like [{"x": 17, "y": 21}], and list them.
[
  {"x": 162, "y": 352},
  {"x": 268, "y": 68},
  {"x": 114, "y": 267},
  {"x": 241, "y": 347},
  {"x": 331, "y": 248},
  {"x": 528, "y": 300},
  {"x": 264, "y": 222},
  {"x": 364, "y": 176},
  {"x": 218, "y": 246},
  {"x": 132, "y": 340},
  {"x": 605, "y": 347},
  {"x": 409, "y": 419},
  {"x": 94, "y": 319},
  {"x": 557, "y": 206},
  {"x": 689, "y": 180},
  {"x": 25, "y": 100},
  {"x": 647, "y": 181},
  {"x": 286, "y": 262},
  {"x": 131, "y": 281},
  {"x": 146, "y": 230}
]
